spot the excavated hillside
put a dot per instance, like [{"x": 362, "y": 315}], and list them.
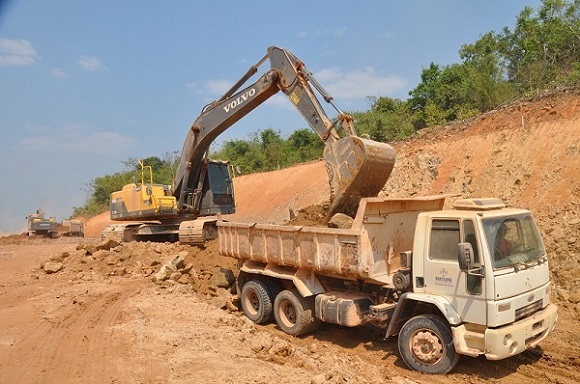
[{"x": 528, "y": 154}]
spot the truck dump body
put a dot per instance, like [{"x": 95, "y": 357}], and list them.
[{"x": 382, "y": 229}]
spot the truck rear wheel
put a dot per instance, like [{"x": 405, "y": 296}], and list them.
[
  {"x": 426, "y": 345},
  {"x": 294, "y": 314},
  {"x": 257, "y": 301}
]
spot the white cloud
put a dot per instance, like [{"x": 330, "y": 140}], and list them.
[
  {"x": 218, "y": 87},
  {"x": 58, "y": 72},
  {"x": 280, "y": 100},
  {"x": 75, "y": 138},
  {"x": 358, "y": 84},
  {"x": 17, "y": 52},
  {"x": 340, "y": 31},
  {"x": 91, "y": 63},
  {"x": 36, "y": 128}
]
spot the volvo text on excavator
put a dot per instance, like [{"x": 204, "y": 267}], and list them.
[{"x": 203, "y": 188}]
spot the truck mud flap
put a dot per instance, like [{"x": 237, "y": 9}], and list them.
[{"x": 356, "y": 168}]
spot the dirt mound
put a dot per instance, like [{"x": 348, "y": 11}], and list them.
[{"x": 170, "y": 265}]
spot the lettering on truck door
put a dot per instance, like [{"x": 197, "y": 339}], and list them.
[{"x": 442, "y": 274}]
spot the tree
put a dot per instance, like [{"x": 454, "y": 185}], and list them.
[
  {"x": 272, "y": 146},
  {"x": 304, "y": 145},
  {"x": 389, "y": 119},
  {"x": 544, "y": 48},
  {"x": 444, "y": 94}
]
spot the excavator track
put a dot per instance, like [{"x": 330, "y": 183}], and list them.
[{"x": 198, "y": 231}]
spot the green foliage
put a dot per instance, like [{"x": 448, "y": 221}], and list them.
[
  {"x": 389, "y": 119},
  {"x": 267, "y": 150},
  {"x": 544, "y": 47},
  {"x": 541, "y": 52},
  {"x": 304, "y": 145}
]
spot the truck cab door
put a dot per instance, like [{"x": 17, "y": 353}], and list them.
[{"x": 443, "y": 277}]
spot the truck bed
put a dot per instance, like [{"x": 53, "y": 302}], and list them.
[{"x": 382, "y": 229}]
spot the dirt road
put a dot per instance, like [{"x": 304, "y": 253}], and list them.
[
  {"x": 102, "y": 319},
  {"x": 95, "y": 327}
]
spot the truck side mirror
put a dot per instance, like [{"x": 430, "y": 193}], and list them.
[{"x": 465, "y": 256}]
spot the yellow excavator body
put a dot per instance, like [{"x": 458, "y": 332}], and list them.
[{"x": 142, "y": 200}]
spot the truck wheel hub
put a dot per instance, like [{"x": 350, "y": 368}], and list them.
[{"x": 426, "y": 346}]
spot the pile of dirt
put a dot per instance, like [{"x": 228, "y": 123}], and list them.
[{"x": 169, "y": 265}]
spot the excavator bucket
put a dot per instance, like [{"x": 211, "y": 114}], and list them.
[{"x": 356, "y": 168}]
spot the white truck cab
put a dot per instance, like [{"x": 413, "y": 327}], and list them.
[{"x": 495, "y": 289}]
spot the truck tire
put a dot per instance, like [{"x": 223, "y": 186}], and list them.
[
  {"x": 257, "y": 301},
  {"x": 426, "y": 345},
  {"x": 294, "y": 314}
]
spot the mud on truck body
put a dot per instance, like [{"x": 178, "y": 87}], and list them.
[{"x": 434, "y": 277}]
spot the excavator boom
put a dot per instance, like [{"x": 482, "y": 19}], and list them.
[
  {"x": 356, "y": 167},
  {"x": 202, "y": 188}
]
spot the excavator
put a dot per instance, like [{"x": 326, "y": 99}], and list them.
[{"x": 203, "y": 189}]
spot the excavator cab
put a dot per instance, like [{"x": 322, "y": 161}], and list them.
[
  {"x": 218, "y": 190},
  {"x": 147, "y": 200}
]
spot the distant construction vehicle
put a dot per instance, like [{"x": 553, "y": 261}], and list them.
[
  {"x": 203, "y": 188},
  {"x": 39, "y": 225},
  {"x": 72, "y": 228}
]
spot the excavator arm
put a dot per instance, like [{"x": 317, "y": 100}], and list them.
[{"x": 357, "y": 167}]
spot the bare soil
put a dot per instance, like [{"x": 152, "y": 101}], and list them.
[{"x": 106, "y": 314}]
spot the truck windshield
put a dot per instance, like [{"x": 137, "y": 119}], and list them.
[{"x": 513, "y": 240}]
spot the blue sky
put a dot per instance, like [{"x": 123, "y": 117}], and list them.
[{"x": 86, "y": 85}]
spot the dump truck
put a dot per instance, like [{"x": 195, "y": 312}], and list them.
[
  {"x": 72, "y": 228},
  {"x": 202, "y": 188},
  {"x": 39, "y": 225},
  {"x": 470, "y": 280}
]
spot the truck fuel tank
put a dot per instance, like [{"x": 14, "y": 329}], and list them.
[{"x": 342, "y": 308}]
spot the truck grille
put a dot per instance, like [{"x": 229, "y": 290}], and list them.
[{"x": 528, "y": 310}]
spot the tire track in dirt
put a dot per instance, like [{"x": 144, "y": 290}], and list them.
[{"x": 61, "y": 346}]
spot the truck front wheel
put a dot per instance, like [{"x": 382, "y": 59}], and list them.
[
  {"x": 426, "y": 345},
  {"x": 294, "y": 314},
  {"x": 257, "y": 301}
]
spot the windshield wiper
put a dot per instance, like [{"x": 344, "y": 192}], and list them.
[{"x": 530, "y": 263}]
